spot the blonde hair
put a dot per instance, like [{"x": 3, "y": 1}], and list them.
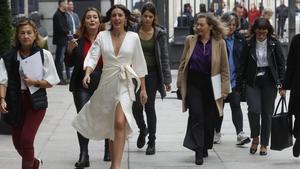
[
  {"x": 267, "y": 11},
  {"x": 38, "y": 39},
  {"x": 218, "y": 29}
]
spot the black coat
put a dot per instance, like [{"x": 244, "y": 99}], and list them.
[
  {"x": 248, "y": 68},
  {"x": 239, "y": 42},
  {"x": 75, "y": 59},
  {"x": 162, "y": 59},
  {"x": 60, "y": 28},
  {"x": 291, "y": 78}
]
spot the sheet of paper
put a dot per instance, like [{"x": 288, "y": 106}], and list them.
[
  {"x": 217, "y": 87},
  {"x": 32, "y": 67}
]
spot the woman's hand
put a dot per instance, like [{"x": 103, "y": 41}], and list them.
[
  {"x": 143, "y": 97},
  {"x": 3, "y": 106},
  {"x": 86, "y": 81},
  {"x": 282, "y": 92},
  {"x": 168, "y": 87},
  {"x": 29, "y": 82},
  {"x": 71, "y": 45}
]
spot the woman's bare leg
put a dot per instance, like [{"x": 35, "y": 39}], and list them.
[{"x": 119, "y": 140}]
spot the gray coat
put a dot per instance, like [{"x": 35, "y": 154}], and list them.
[{"x": 162, "y": 59}]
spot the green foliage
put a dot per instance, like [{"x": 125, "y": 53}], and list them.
[{"x": 5, "y": 26}]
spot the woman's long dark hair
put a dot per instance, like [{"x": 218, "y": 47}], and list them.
[
  {"x": 149, "y": 6},
  {"x": 127, "y": 13}
]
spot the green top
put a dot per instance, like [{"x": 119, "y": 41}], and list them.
[{"x": 148, "y": 49}]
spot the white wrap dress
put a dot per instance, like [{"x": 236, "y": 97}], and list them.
[{"x": 96, "y": 118}]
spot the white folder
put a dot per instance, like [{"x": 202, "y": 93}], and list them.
[{"x": 32, "y": 67}]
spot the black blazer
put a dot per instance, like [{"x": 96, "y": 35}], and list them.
[
  {"x": 60, "y": 28},
  {"x": 75, "y": 59},
  {"x": 248, "y": 68},
  {"x": 291, "y": 78}
]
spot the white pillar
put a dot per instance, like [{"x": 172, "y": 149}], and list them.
[{"x": 26, "y": 8}]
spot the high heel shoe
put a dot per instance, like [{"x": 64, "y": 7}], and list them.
[
  {"x": 83, "y": 161},
  {"x": 263, "y": 150},
  {"x": 254, "y": 145}
]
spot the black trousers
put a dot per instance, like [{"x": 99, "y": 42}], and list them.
[
  {"x": 280, "y": 26},
  {"x": 80, "y": 98},
  {"x": 236, "y": 112},
  {"x": 260, "y": 99},
  {"x": 151, "y": 81},
  {"x": 202, "y": 112}
]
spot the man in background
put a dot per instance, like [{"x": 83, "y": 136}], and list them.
[
  {"x": 73, "y": 25},
  {"x": 60, "y": 32},
  {"x": 281, "y": 15}
]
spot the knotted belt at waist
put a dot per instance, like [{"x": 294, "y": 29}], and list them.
[{"x": 127, "y": 73}]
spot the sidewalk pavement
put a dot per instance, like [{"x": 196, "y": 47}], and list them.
[{"x": 56, "y": 142}]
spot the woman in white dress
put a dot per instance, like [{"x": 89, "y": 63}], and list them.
[{"x": 108, "y": 114}]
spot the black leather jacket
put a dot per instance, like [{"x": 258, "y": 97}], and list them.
[{"x": 248, "y": 68}]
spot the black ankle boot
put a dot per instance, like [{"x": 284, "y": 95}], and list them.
[
  {"x": 150, "y": 149},
  {"x": 205, "y": 152},
  {"x": 83, "y": 161},
  {"x": 296, "y": 148},
  {"x": 199, "y": 158},
  {"x": 141, "y": 138},
  {"x": 106, "y": 151}
]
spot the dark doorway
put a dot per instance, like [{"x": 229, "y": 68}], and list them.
[{"x": 81, "y": 5}]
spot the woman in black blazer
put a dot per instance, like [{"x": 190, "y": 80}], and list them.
[{"x": 76, "y": 52}]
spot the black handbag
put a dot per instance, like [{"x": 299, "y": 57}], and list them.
[{"x": 281, "y": 133}]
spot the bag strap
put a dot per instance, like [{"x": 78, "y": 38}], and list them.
[{"x": 281, "y": 102}]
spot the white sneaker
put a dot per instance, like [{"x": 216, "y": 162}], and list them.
[
  {"x": 217, "y": 138},
  {"x": 242, "y": 139}
]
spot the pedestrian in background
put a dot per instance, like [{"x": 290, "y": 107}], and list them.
[
  {"x": 76, "y": 53},
  {"x": 234, "y": 43},
  {"x": 254, "y": 13},
  {"x": 292, "y": 82},
  {"x": 73, "y": 25},
  {"x": 268, "y": 13},
  {"x": 155, "y": 49},
  {"x": 243, "y": 23},
  {"x": 108, "y": 114},
  {"x": 262, "y": 69},
  {"x": 60, "y": 32},
  {"x": 204, "y": 57},
  {"x": 24, "y": 110},
  {"x": 282, "y": 13}
]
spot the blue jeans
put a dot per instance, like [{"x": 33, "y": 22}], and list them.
[{"x": 59, "y": 59}]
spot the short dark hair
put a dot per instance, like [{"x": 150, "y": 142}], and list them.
[
  {"x": 60, "y": 1},
  {"x": 237, "y": 6},
  {"x": 262, "y": 23}
]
